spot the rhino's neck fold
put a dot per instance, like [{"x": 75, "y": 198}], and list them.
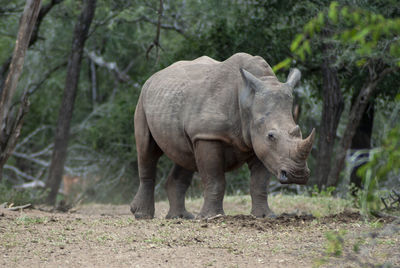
[{"x": 245, "y": 120}]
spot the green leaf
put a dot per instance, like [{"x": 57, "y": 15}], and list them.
[
  {"x": 345, "y": 12},
  {"x": 295, "y": 44},
  {"x": 283, "y": 64},
  {"x": 309, "y": 28},
  {"x": 360, "y": 35},
  {"x": 307, "y": 47},
  {"x": 332, "y": 14},
  {"x": 321, "y": 18},
  {"x": 361, "y": 62}
]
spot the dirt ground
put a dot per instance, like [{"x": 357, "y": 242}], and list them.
[{"x": 108, "y": 236}]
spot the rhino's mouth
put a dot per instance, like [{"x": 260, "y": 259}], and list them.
[{"x": 286, "y": 177}]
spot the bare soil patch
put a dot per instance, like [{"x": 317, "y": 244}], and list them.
[{"x": 109, "y": 236}]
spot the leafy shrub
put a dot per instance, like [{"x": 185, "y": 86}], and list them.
[
  {"x": 383, "y": 164},
  {"x": 19, "y": 196}
]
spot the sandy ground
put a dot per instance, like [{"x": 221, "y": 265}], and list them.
[{"x": 109, "y": 236}]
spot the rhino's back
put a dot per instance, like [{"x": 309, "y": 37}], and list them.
[{"x": 198, "y": 99}]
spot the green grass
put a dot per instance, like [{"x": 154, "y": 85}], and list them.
[
  {"x": 319, "y": 206},
  {"x": 26, "y": 220}
]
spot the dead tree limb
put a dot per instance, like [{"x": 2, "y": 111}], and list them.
[
  {"x": 165, "y": 26},
  {"x": 111, "y": 66},
  {"x": 156, "y": 41},
  {"x": 20, "y": 173},
  {"x": 19, "y": 207}
]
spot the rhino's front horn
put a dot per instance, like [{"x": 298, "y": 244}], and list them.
[{"x": 304, "y": 147}]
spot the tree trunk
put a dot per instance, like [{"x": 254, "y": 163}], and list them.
[
  {"x": 355, "y": 116},
  {"x": 65, "y": 114},
  {"x": 331, "y": 112},
  {"x": 10, "y": 129},
  {"x": 362, "y": 140}
]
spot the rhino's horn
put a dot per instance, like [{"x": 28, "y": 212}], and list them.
[
  {"x": 304, "y": 147},
  {"x": 293, "y": 77}
]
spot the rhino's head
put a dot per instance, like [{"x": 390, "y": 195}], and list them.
[{"x": 266, "y": 104}]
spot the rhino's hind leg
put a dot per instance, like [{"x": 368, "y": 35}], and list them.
[
  {"x": 148, "y": 154},
  {"x": 259, "y": 182},
  {"x": 178, "y": 182},
  {"x": 210, "y": 164}
]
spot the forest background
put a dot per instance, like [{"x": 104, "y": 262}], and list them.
[{"x": 348, "y": 52}]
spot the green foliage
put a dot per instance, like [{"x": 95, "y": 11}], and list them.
[
  {"x": 323, "y": 192},
  {"x": 376, "y": 170},
  {"x": 383, "y": 165},
  {"x": 18, "y": 197},
  {"x": 360, "y": 33}
]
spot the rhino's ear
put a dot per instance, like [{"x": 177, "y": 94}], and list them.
[
  {"x": 252, "y": 85},
  {"x": 293, "y": 77},
  {"x": 252, "y": 82}
]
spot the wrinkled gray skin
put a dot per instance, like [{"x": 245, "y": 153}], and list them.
[{"x": 212, "y": 117}]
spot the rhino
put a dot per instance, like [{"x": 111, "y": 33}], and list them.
[{"x": 211, "y": 117}]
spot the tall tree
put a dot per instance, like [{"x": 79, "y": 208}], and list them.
[
  {"x": 356, "y": 113},
  {"x": 10, "y": 127},
  {"x": 332, "y": 108},
  {"x": 71, "y": 85},
  {"x": 362, "y": 140}
]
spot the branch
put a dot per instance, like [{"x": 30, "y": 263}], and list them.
[
  {"x": 44, "y": 10},
  {"x": 10, "y": 10},
  {"x": 93, "y": 81},
  {"x": 27, "y": 22},
  {"x": 38, "y": 161},
  {"x": 111, "y": 66},
  {"x": 19, "y": 207},
  {"x": 174, "y": 27},
  {"x": 47, "y": 75},
  {"x": 44, "y": 151},
  {"x": 27, "y": 138},
  {"x": 35, "y": 86},
  {"x": 42, "y": 13},
  {"x": 20, "y": 173},
  {"x": 156, "y": 42},
  {"x": 32, "y": 184},
  {"x": 12, "y": 134}
]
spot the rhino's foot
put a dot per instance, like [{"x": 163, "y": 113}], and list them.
[
  {"x": 210, "y": 214},
  {"x": 263, "y": 213},
  {"x": 142, "y": 211},
  {"x": 182, "y": 215}
]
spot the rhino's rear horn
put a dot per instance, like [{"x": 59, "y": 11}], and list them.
[
  {"x": 293, "y": 77},
  {"x": 304, "y": 147},
  {"x": 295, "y": 132}
]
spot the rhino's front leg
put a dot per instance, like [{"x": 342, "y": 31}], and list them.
[
  {"x": 210, "y": 164},
  {"x": 259, "y": 182}
]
